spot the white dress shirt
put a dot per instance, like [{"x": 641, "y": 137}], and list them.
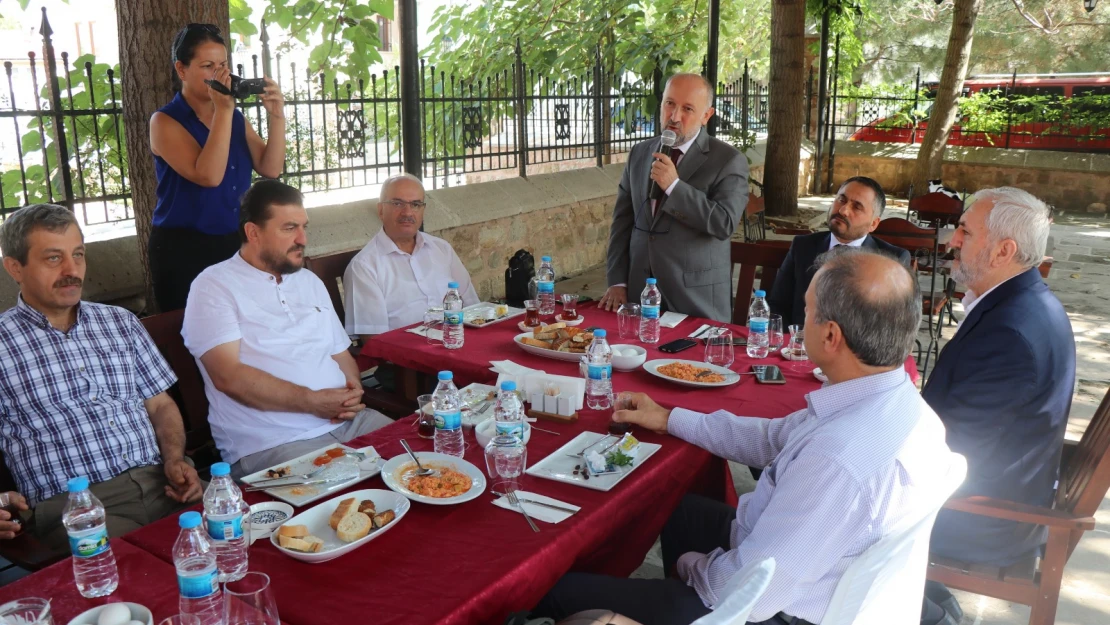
[
  {"x": 833, "y": 241},
  {"x": 286, "y": 329},
  {"x": 971, "y": 299},
  {"x": 839, "y": 475},
  {"x": 385, "y": 288}
]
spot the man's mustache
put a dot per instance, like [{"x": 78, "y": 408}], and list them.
[
  {"x": 295, "y": 248},
  {"x": 406, "y": 220},
  {"x": 64, "y": 282}
]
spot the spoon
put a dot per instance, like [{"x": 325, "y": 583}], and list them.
[{"x": 420, "y": 470}]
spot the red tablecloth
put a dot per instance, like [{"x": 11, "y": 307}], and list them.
[
  {"x": 474, "y": 562},
  {"x": 144, "y": 579}
]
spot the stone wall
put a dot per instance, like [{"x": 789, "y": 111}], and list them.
[{"x": 1069, "y": 181}]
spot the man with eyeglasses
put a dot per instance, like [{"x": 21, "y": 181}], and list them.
[{"x": 402, "y": 272}]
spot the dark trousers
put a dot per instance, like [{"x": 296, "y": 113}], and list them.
[
  {"x": 698, "y": 524},
  {"x": 178, "y": 255}
]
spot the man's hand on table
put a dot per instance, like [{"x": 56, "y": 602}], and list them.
[
  {"x": 614, "y": 298},
  {"x": 184, "y": 483},
  {"x": 336, "y": 404},
  {"x": 640, "y": 410},
  {"x": 9, "y": 528}
]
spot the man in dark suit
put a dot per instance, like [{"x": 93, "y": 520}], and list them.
[
  {"x": 683, "y": 238},
  {"x": 854, "y": 214},
  {"x": 1003, "y": 385}
]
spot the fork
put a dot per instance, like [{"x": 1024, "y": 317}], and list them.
[
  {"x": 511, "y": 496},
  {"x": 303, "y": 476}
]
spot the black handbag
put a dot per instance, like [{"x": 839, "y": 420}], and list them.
[{"x": 522, "y": 268}]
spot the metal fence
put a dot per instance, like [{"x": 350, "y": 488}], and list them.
[{"x": 742, "y": 107}]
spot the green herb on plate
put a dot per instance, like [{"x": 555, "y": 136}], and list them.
[{"x": 619, "y": 459}]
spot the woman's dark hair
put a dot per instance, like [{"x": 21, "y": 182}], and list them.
[{"x": 185, "y": 44}]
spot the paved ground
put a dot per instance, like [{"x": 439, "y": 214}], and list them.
[{"x": 1080, "y": 277}]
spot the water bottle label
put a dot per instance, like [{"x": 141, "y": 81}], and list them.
[
  {"x": 90, "y": 542},
  {"x": 453, "y": 317},
  {"x": 600, "y": 372},
  {"x": 198, "y": 586},
  {"x": 757, "y": 325},
  {"x": 649, "y": 312},
  {"x": 511, "y": 429},
  {"x": 545, "y": 286},
  {"x": 448, "y": 420},
  {"x": 225, "y": 527}
]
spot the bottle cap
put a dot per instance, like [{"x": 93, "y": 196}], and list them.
[
  {"x": 509, "y": 385},
  {"x": 599, "y": 334},
  {"x": 649, "y": 281},
  {"x": 189, "y": 520},
  {"x": 220, "y": 469},
  {"x": 761, "y": 293},
  {"x": 447, "y": 375},
  {"x": 452, "y": 285},
  {"x": 546, "y": 259},
  {"x": 78, "y": 484}
]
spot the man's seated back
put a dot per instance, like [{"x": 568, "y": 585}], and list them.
[
  {"x": 279, "y": 379},
  {"x": 84, "y": 388}
]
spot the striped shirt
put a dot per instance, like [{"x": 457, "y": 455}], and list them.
[
  {"x": 71, "y": 404},
  {"x": 839, "y": 475}
]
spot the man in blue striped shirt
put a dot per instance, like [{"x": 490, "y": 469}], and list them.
[
  {"x": 838, "y": 475},
  {"x": 84, "y": 389}
]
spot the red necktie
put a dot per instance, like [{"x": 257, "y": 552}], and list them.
[{"x": 675, "y": 155}]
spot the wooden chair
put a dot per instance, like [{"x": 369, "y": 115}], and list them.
[
  {"x": 755, "y": 214},
  {"x": 936, "y": 209},
  {"x": 24, "y": 551},
  {"x": 1084, "y": 479},
  {"x": 165, "y": 330},
  {"x": 750, "y": 257},
  {"x": 792, "y": 231}
]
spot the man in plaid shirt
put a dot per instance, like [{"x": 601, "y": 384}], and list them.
[{"x": 83, "y": 391}]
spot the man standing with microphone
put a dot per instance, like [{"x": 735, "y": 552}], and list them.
[{"x": 681, "y": 237}]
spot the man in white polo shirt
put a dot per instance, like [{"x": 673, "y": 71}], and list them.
[
  {"x": 279, "y": 379},
  {"x": 402, "y": 272}
]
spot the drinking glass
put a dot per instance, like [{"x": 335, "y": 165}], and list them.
[
  {"x": 6, "y": 504},
  {"x": 250, "y": 601},
  {"x": 628, "y": 321},
  {"x": 425, "y": 417},
  {"x": 26, "y": 612},
  {"x": 774, "y": 333},
  {"x": 570, "y": 306},
  {"x": 182, "y": 619},
  {"x": 506, "y": 459},
  {"x": 532, "y": 313},
  {"x": 797, "y": 350},
  {"x": 622, "y": 401},
  {"x": 433, "y": 322},
  {"x": 718, "y": 348}
]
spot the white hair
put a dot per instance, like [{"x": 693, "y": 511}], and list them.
[
  {"x": 1019, "y": 216},
  {"x": 394, "y": 178}
]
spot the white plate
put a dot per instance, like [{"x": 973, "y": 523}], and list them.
[
  {"x": 820, "y": 375},
  {"x": 315, "y": 492},
  {"x": 559, "y": 465},
  {"x": 138, "y": 613},
  {"x": 433, "y": 460},
  {"x": 470, "y": 312},
  {"x": 786, "y": 356},
  {"x": 546, "y": 353},
  {"x": 652, "y": 367},
  {"x": 570, "y": 324},
  {"x": 316, "y": 519},
  {"x": 472, "y": 395}
]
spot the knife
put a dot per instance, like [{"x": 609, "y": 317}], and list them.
[
  {"x": 252, "y": 489},
  {"x": 538, "y": 503}
]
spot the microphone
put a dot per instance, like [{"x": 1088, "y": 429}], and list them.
[{"x": 666, "y": 141}]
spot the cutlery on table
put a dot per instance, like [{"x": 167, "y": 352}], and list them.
[
  {"x": 582, "y": 453},
  {"x": 511, "y": 496},
  {"x": 420, "y": 470},
  {"x": 302, "y": 478},
  {"x": 537, "y": 503}
]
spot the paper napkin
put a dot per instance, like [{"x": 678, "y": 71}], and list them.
[
  {"x": 696, "y": 334},
  {"x": 435, "y": 335},
  {"x": 539, "y": 513},
  {"x": 671, "y": 319}
]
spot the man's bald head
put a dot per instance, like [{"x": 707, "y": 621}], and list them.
[
  {"x": 873, "y": 298},
  {"x": 692, "y": 82}
]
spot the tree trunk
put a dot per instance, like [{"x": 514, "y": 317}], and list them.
[
  {"x": 146, "y": 32},
  {"x": 930, "y": 156},
  {"x": 787, "y": 107}
]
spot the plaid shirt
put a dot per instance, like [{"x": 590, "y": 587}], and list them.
[{"x": 71, "y": 404}]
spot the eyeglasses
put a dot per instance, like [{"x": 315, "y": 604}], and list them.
[
  {"x": 179, "y": 40},
  {"x": 416, "y": 205}
]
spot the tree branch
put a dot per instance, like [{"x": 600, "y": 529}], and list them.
[{"x": 1020, "y": 6}]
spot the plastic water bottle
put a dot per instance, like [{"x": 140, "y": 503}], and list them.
[
  {"x": 448, "y": 412},
  {"x": 759, "y": 314},
  {"x": 94, "y": 566},
  {"x": 508, "y": 412},
  {"x": 453, "y": 317},
  {"x": 650, "y": 299},
  {"x": 545, "y": 286},
  {"x": 198, "y": 582},
  {"x": 599, "y": 373},
  {"x": 224, "y": 512}
]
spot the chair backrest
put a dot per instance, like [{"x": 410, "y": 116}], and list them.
[
  {"x": 756, "y": 205},
  {"x": 330, "y": 269},
  {"x": 884, "y": 585},
  {"x": 937, "y": 208},
  {"x": 744, "y": 590},
  {"x": 1086, "y": 476},
  {"x": 165, "y": 330},
  {"x": 751, "y": 256},
  {"x": 905, "y": 234}
]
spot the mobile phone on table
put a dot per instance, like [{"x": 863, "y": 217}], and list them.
[
  {"x": 768, "y": 374},
  {"x": 676, "y": 346}
]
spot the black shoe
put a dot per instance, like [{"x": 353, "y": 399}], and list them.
[{"x": 940, "y": 595}]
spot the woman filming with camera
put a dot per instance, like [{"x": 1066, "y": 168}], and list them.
[{"x": 204, "y": 152}]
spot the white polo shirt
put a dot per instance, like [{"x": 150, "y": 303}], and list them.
[
  {"x": 385, "y": 288},
  {"x": 288, "y": 330}
]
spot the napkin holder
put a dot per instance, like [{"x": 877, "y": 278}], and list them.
[{"x": 557, "y": 408}]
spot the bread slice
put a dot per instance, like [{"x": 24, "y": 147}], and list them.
[
  {"x": 315, "y": 544},
  {"x": 536, "y": 342},
  {"x": 345, "y": 507},
  {"x": 383, "y": 519},
  {"x": 308, "y": 544},
  {"x": 561, "y": 344},
  {"x": 353, "y": 527},
  {"x": 293, "y": 531}
]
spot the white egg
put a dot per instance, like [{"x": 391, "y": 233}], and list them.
[
  {"x": 114, "y": 614},
  {"x": 136, "y": 623},
  {"x": 631, "y": 352}
]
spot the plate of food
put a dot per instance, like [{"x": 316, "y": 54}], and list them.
[
  {"x": 483, "y": 314},
  {"x": 339, "y": 526},
  {"x": 455, "y": 480},
  {"x": 312, "y": 477},
  {"x": 569, "y": 463},
  {"x": 556, "y": 341},
  {"x": 691, "y": 373},
  {"x": 474, "y": 407}
]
